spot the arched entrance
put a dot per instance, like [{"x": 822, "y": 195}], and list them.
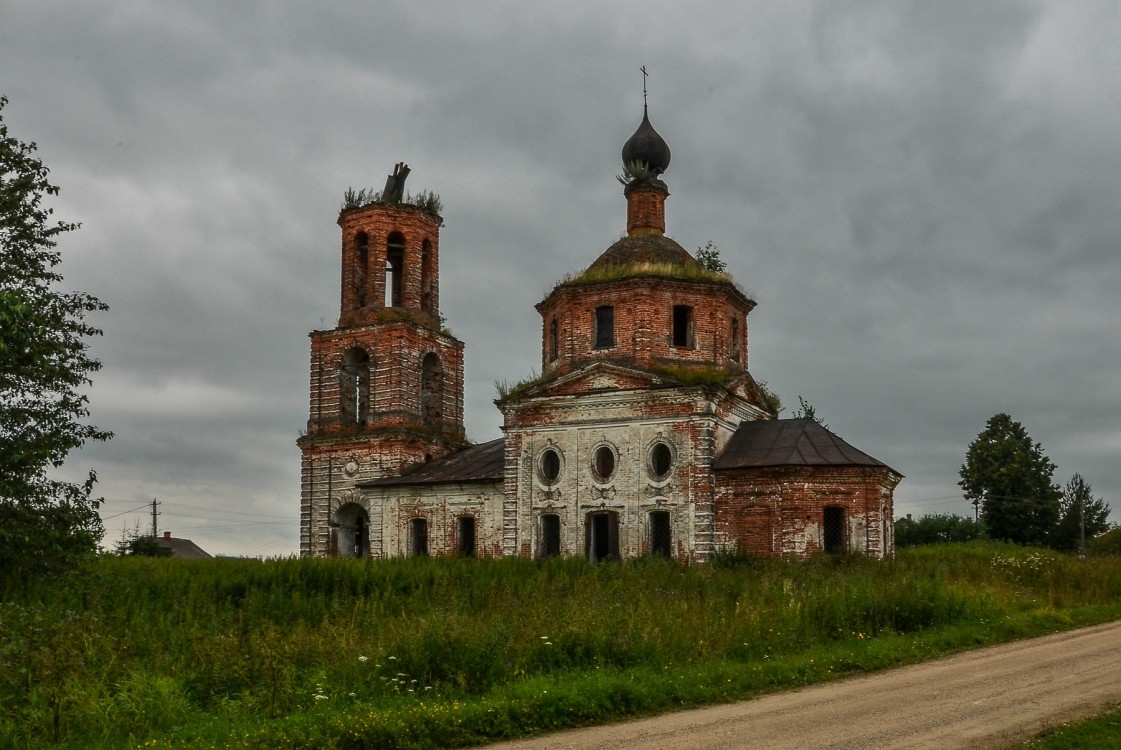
[{"x": 352, "y": 530}]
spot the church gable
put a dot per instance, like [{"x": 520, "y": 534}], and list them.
[{"x": 599, "y": 376}]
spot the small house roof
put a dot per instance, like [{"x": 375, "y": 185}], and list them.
[{"x": 182, "y": 548}]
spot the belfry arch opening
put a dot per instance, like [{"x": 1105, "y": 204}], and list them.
[
  {"x": 432, "y": 390},
  {"x": 361, "y": 267},
  {"x": 427, "y": 274},
  {"x": 354, "y": 386},
  {"x": 394, "y": 269}
]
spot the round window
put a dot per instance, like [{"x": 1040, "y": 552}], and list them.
[
  {"x": 661, "y": 460},
  {"x": 550, "y": 465},
  {"x": 604, "y": 464}
]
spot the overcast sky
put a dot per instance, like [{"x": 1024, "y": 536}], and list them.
[{"x": 923, "y": 198}]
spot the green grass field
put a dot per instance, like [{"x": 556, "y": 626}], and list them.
[{"x": 443, "y": 653}]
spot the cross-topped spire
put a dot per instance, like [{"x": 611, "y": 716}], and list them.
[{"x": 645, "y": 75}]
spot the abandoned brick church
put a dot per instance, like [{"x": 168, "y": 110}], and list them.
[{"x": 645, "y": 434}]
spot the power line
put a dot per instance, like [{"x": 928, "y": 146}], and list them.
[{"x": 124, "y": 512}]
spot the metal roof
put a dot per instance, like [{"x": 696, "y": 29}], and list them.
[
  {"x": 485, "y": 462},
  {"x": 789, "y": 442}
]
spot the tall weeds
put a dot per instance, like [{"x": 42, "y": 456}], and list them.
[{"x": 160, "y": 648}]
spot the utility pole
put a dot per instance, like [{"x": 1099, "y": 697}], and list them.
[{"x": 154, "y": 514}]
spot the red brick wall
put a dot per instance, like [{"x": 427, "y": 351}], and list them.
[
  {"x": 780, "y": 511},
  {"x": 646, "y": 208},
  {"x": 644, "y": 323},
  {"x": 420, "y": 283},
  {"x": 396, "y": 351}
]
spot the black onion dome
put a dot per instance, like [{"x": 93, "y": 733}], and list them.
[{"x": 648, "y": 147}]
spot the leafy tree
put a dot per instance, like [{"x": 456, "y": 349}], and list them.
[
  {"x": 46, "y": 525},
  {"x": 1008, "y": 478},
  {"x": 1081, "y": 516},
  {"x": 937, "y": 528},
  {"x": 709, "y": 258}
]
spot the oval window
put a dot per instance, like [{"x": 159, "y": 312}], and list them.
[
  {"x": 604, "y": 464},
  {"x": 550, "y": 465},
  {"x": 661, "y": 460}
]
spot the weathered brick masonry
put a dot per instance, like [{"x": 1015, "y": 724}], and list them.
[{"x": 645, "y": 434}]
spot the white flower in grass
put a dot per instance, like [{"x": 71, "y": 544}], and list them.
[{"x": 363, "y": 658}]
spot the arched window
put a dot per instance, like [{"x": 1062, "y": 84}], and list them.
[
  {"x": 432, "y": 390},
  {"x": 735, "y": 348},
  {"x": 361, "y": 267},
  {"x": 683, "y": 326},
  {"x": 418, "y": 537},
  {"x": 605, "y": 327},
  {"x": 553, "y": 344},
  {"x": 394, "y": 269},
  {"x": 427, "y": 273},
  {"x": 354, "y": 386}
]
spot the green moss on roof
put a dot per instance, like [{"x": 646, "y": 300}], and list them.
[{"x": 615, "y": 272}]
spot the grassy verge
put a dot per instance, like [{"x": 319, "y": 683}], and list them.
[
  {"x": 1099, "y": 733},
  {"x": 444, "y": 653}
]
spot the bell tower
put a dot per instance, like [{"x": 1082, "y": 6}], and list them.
[{"x": 387, "y": 382}]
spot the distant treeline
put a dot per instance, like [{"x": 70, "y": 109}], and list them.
[{"x": 946, "y": 528}]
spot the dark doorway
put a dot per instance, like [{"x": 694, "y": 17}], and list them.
[
  {"x": 833, "y": 521},
  {"x": 550, "y": 536},
  {"x": 660, "y": 542},
  {"x": 467, "y": 536},
  {"x": 418, "y": 537},
  {"x": 601, "y": 535}
]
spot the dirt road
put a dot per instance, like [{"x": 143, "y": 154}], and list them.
[{"x": 990, "y": 698}]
